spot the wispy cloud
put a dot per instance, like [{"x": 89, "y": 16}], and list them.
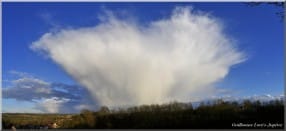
[
  {"x": 123, "y": 63},
  {"x": 49, "y": 19}
]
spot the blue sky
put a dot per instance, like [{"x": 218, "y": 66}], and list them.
[{"x": 258, "y": 31}]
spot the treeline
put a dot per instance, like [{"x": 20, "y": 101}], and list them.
[{"x": 215, "y": 115}]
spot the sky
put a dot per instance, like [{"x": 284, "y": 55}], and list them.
[{"x": 40, "y": 78}]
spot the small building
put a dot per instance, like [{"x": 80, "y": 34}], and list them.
[{"x": 53, "y": 125}]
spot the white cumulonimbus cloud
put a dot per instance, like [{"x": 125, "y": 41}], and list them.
[{"x": 123, "y": 63}]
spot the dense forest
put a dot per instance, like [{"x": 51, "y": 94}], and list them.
[{"x": 215, "y": 115}]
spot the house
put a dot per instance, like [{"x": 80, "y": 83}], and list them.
[{"x": 53, "y": 125}]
